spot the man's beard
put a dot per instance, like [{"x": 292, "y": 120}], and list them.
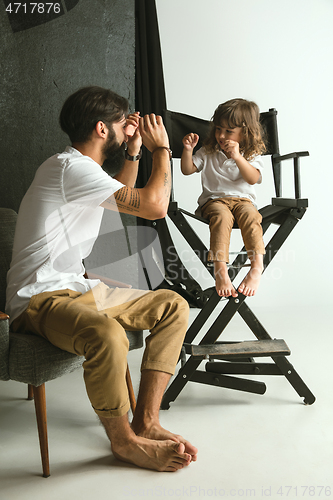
[{"x": 114, "y": 153}]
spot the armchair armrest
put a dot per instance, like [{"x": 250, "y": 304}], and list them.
[
  {"x": 276, "y": 161},
  {"x": 4, "y": 346},
  {"x": 108, "y": 281},
  {"x": 291, "y": 155}
]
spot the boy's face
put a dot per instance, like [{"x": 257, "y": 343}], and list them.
[{"x": 224, "y": 133}]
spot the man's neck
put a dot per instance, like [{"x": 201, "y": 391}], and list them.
[{"x": 90, "y": 149}]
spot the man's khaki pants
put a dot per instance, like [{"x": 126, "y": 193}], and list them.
[{"x": 93, "y": 325}]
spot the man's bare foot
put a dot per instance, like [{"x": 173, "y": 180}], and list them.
[
  {"x": 250, "y": 284},
  {"x": 155, "y": 431},
  {"x": 163, "y": 456},
  {"x": 223, "y": 284}
]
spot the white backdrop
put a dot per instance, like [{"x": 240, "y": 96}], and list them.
[{"x": 279, "y": 54}]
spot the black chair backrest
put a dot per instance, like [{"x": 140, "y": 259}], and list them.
[
  {"x": 268, "y": 122},
  {"x": 180, "y": 124}
]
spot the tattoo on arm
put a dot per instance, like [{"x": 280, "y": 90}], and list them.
[
  {"x": 132, "y": 204},
  {"x": 121, "y": 194},
  {"x": 167, "y": 185},
  {"x": 135, "y": 198}
]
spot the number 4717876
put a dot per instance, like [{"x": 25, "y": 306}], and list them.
[
  {"x": 30, "y": 8},
  {"x": 304, "y": 491}
]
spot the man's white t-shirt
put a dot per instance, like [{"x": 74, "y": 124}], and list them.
[
  {"x": 58, "y": 222},
  {"x": 220, "y": 177}
]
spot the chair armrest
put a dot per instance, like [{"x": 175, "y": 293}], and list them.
[
  {"x": 108, "y": 281},
  {"x": 4, "y": 327},
  {"x": 4, "y": 346},
  {"x": 276, "y": 161},
  {"x": 291, "y": 155}
]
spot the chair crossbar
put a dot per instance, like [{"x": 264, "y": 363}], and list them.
[
  {"x": 242, "y": 368},
  {"x": 255, "y": 348}
]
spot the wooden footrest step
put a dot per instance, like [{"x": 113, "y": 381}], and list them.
[{"x": 270, "y": 347}]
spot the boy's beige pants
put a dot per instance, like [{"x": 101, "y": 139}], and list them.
[{"x": 222, "y": 213}]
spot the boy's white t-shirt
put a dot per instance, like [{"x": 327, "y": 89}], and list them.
[
  {"x": 220, "y": 176},
  {"x": 58, "y": 222}
]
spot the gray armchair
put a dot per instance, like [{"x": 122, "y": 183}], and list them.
[{"x": 29, "y": 358}]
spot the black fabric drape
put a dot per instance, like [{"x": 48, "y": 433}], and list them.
[
  {"x": 150, "y": 98},
  {"x": 149, "y": 80}
]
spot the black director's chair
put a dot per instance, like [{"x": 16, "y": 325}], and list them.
[{"x": 227, "y": 359}]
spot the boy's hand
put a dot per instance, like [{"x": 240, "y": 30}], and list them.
[
  {"x": 131, "y": 129},
  {"x": 153, "y": 132},
  {"x": 231, "y": 148},
  {"x": 190, "y": 141}
]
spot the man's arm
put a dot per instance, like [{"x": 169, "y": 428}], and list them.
[
  {"x": 152, "y": 201},
  {"x": 128, "y": 174}
]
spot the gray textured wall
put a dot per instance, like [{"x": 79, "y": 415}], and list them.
[
  {"x": 92, "y": 43},
  {"x": 42, "y": 61}
]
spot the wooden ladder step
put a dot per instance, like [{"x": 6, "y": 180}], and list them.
[{"x": 254, "y": 348}]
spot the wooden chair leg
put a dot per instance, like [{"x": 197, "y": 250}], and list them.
[
  {"x": 130, "y": 390},
  {"x": 30, "y": 392},
  {"x": 40, "y": 407}
]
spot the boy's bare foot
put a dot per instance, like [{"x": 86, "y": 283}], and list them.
[
  {"x": 250, "y": 284},
  {"x": 223, "y": 284},
  {"x": 163, "y": 456},
  {"x": 155, "y": 431}
]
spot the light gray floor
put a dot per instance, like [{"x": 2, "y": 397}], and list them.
[{"x": 250, "y": 446}]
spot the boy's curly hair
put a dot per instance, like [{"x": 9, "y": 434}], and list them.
[{"x": 239, "y": 113}]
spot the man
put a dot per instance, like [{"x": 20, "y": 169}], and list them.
[{"x": 47, "y": 292}]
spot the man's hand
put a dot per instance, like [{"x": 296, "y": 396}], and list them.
[
  {"x": 134, "y": 139},
  {"x": 132, "y": 123},
  {"x": 153, "y": 132},
  {"x": 190, "y": 141}
]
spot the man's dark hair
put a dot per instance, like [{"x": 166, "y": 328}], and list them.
[{"x": 86, "y": 107}]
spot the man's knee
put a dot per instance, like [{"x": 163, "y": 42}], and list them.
[
  {"x": 169, "y": 297},
  {"x": 103, "y": 334},
  {"x": 172, "y": 306},
  {"x": 182, "y": 306}
]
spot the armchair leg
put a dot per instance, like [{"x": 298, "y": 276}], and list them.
[
  {"x": 38, "y": 394},
  {"x": 40, "y": 407},
  {"x": 130, "y": 390},
  {"x": 30, "y": 392}
]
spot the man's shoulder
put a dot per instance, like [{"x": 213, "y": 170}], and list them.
[{"x": 68, "y": 158}]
